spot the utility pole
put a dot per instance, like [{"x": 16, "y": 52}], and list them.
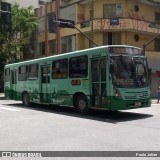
[
  {"x": 58, "y": 36},
  {"x": 46, "y": 31},
  {"x": 65, "y": 24},
  {"x": 91, "y": 22}
]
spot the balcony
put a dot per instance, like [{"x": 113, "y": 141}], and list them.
[
  {"x": 154, "y": 3},
  {"x": 127, "y": 24}
]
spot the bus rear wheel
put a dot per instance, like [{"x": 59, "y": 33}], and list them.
[
  {"x": 82, "y": 105},
  {"x": 26, "y": 99}
]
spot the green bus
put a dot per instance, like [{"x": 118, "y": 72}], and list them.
[{"x": 112, "y": 77}]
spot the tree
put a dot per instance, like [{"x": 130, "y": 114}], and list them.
[{"x": 16, "y": 39}]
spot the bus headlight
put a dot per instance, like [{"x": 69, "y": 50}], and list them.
[{"x": 116, "y": 92}]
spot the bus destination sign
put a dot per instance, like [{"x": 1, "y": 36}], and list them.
[{"x": 125, "y": 50}]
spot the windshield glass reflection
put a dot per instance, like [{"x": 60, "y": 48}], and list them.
[{"x": 129, "y": 71}]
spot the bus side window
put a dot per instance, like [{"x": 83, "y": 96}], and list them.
[
  {"x": 23, "y": 73},
  {"x": 7, "y": 74},
  {"x": 33, "y": 72},
  {"x": 78, "y": 67},
  {"x": 60, "y": 69}
]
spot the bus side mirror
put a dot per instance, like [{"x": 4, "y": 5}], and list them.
[
  {"x": 111, "y": 67},
  {"x": 149, "y": 71}
]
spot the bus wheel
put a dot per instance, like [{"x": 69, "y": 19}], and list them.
[
  {"x": 26, "y": 99},
  {"x": 82, "y": 105}
]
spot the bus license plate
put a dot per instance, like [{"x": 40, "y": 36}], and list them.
[{"x": 138, "y": 104}]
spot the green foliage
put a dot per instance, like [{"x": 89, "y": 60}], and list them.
[
  {"x": 16, "y": 40},
  {"x": 24, "y": 24}
]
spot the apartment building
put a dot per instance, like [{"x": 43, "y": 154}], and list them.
[{"x": 130, "y": 22}]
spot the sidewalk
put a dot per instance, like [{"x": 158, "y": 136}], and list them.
[
  {"x": 1, "y": 94},
  {"x": 154, "y": 101}
]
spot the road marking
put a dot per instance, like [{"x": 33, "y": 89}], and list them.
[{"x": 10, "y": 109}]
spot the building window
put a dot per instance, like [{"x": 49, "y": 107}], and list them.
[
  {"x": 66, "y": 44},
  {"x": 109, "y": 11},
  {"x": 157, "y": 44},
  {"x": 69, "y": 12},
  {"x": 113, "y": 10},
  {"x": 157, "y": 17},
  {"x": 41, "y": 26},
  {"x": 42, "y": 48},
  {"x": 52, "y": 46},
  {"x": 112, "y": 38}
]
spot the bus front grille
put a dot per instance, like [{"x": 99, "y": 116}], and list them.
[
  {"x": 136, "y": 95},
  {"x": 130, "y": 97}
]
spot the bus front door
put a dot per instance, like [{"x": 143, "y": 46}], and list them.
[
  {"x": 45, "y": 84},
  {"x": 98, "y": 70},
  {"x": 13, "y": 84}
]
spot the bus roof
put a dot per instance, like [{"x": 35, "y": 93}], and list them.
[{"x": 70, "y": 54}]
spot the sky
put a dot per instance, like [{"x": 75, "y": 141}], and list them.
[{"x": 25, "y": 3}]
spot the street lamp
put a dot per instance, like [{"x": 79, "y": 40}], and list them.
[
  {"x": 68, "y": 24},
  {"x": 145, "y": 45}
]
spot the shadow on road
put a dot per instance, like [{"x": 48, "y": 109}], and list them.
[{"x": 98, "y": 115}]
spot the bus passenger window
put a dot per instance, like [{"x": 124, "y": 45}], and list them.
[
  {"x": 60, "y": 69},
  {"x": 22, "y": 73},
  {"x": 78, "y": 67},
  {"x": 7, "y": 75},
  {"x": 33, "y": 72}
]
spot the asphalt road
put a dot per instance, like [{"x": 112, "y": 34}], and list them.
[{"x": 48, "y": 128}]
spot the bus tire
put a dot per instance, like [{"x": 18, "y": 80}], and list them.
[
  {"x": 81, "y": 104},
  {"x": 26, "y": 99}
]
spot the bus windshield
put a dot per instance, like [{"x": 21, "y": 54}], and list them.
[{"x": 131, "y": 72}]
